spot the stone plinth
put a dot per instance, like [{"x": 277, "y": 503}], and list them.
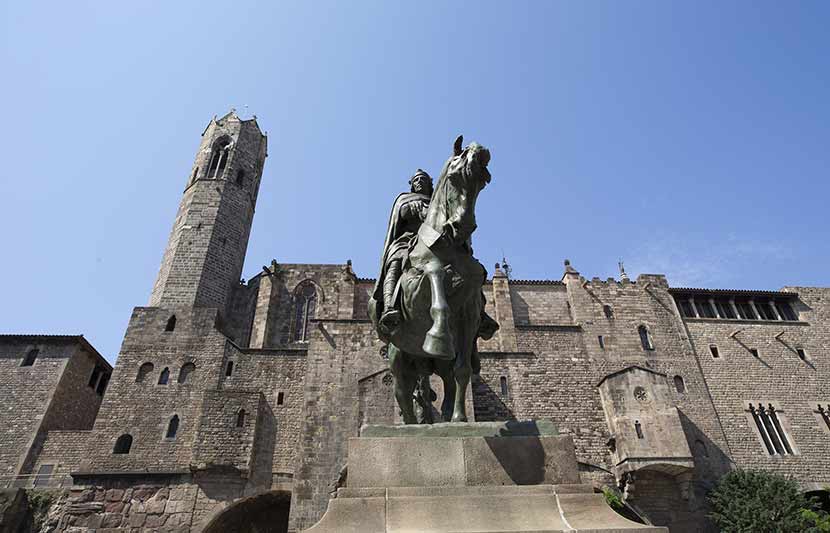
[{"x": 474, "y": 477}]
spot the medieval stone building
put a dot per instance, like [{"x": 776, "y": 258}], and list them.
[{"x": 233, "y": 401}]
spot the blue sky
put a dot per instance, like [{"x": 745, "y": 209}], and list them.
[{"x": 689, "y": 139}]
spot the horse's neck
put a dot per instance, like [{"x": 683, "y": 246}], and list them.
[{"x": 437, "y": 214}]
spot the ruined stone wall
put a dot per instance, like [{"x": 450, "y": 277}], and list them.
[
  {"x": 779, "y": 376},
  {"x": 167, "y": 505}
]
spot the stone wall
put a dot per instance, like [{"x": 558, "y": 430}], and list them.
[
  {"x": 65, "y": 450},
  {"x": 228, "y": 428},
  {"x": 27, "y": 391},
  {"x": 538, "y": 303},
  {"x": 275, "y": 319},
  {"x": 278, "y": 374},
  {"x": 53, "y": 393},
  {"x": 143, "y": 409},
  {"x": 137, "y": 504},
  {"x": 559, "y": 362},
  {"x": 341, "y": 353},
  {"x": 779, "y": 376}
]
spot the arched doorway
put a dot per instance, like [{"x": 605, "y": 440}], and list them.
[
  {"x": 821, "y": 497},
  {"x": 264, "y": 513}
]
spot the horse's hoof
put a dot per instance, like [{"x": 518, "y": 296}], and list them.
[
  {"x": 459, "y": 418},
  {"x": 439, "y": 347}
]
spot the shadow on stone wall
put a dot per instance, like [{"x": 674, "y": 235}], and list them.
[
  {"x": 265, "y": 513},
  {"x": 522, "y": 458},
  {"x": 661, "y": 498},
  {"x": 14, "y": 511},
  {"x": 521, "y": 311},
  {"x": 711, "y": 463},
  {"x": 264, "y": 447},
  {"x": 488, "y": 405}
]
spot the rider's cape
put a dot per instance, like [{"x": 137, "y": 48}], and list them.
[{"x": 391, "y": 245}]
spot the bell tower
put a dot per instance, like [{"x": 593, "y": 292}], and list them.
[{"x": 206, "y": 249}]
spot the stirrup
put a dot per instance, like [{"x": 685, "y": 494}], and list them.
[{"x": 390, "y": 319}]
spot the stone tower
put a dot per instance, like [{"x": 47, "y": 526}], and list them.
[{"x": 204, "y": 255}]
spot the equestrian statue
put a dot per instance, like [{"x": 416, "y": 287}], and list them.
[{"x": 428, "y": 303}]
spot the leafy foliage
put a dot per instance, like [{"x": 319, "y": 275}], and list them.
[
  {"x": 612, "y": 499},
  {"x": 820, "y": 521},
  {"x": 39, "y": 503},
  {"x": 761, "y": 502}
]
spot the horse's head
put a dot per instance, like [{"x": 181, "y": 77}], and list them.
[
  {"x": 468, "y": 165},
  {"x": 452, "y": 210}
]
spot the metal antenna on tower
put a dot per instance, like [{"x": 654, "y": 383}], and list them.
[
  {"x": 623, "y": 275},
  {"x": 505, "y": 265}
]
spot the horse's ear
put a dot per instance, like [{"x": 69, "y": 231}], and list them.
[{"x": 456, "y": 148}]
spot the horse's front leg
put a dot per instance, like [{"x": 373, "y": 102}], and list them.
[
  {"x": 438, "y": 341},
  {"x": 462, "y": 381}
]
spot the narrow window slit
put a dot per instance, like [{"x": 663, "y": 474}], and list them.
[{"x": 172, "y": 427}]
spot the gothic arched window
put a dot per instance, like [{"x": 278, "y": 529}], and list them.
[
  {"x": 219, "y": 158},
  {"x": 645, "y": 338},
  {"x": 30, "y": 358},
  {"x": 185, "y": 371},
  {"x": 143, "y": 370},
  {"x": 305, "y": 303},
  {"x": 172, "y": 428},
  {"x": 164, "y": 377},
  {"x": 240, "y": 418},
  {"x": 171, "y": 323},
  {"x": 123, "y": 444}
]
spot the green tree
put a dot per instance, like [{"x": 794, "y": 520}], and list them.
[{"x": 753, "y": 501}]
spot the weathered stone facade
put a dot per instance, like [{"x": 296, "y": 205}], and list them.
[
  {"x": 52, "y": 385},
  {"x": 230, "y": 399}
]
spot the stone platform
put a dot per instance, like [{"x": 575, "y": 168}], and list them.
[{"x": 471, "y": 478}]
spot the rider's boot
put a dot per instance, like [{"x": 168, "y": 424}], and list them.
[{"x": 391, "y": 317}]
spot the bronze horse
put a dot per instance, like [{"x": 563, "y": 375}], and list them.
[{"x": 439, "y": 293}]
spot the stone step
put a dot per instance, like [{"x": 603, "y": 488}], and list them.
[
  {"x": 504, "y": 509},
  {"x": 380, "y": 492}
]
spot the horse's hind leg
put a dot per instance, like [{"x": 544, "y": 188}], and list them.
[
  {"x": 444, "y": 371},
  {"x": 406, "y": 378},
  {"x": 462, "y": 381}
]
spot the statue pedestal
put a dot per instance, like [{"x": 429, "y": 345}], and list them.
[{"x": 473, "y": 477}]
